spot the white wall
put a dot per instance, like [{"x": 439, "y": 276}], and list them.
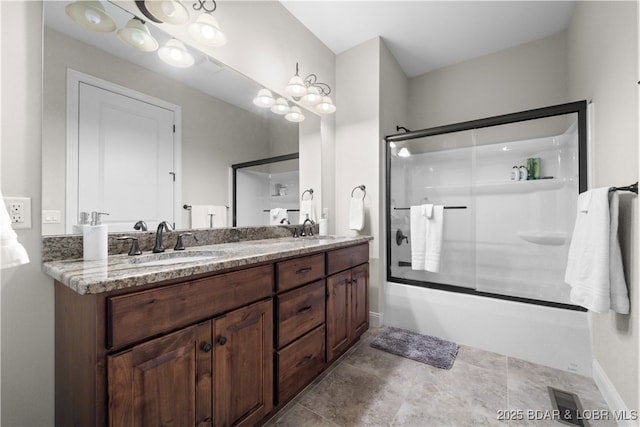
[
  {"x": 603, "y": 65},
  {"x": 27, "y": 294}
]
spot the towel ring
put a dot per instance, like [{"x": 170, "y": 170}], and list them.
[
  {"x": 361, "y": 187},
  {"x": 310, "y": 191}
]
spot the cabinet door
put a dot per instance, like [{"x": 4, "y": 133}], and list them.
[
  {"x": 359, "y": 300},
  {"x": 338, "y": 319},
  {"x": 165, "y": 381},
  {"x": 243, "y": 365}
]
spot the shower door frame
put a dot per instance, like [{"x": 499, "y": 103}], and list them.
[{"x": 577, "y": 107}]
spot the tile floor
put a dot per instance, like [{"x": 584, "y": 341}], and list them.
[{"x": 369, "y": 387}]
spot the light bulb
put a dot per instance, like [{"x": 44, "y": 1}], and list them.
[
  {"x": 264, "y": 99},
  {"x": 206, "y": 30},
  {"x": 404, "y": 152},
  {"x": 326, "y": 106},
  {"x": 295, "y": 115},
  {"x": 92, "y": 16},
  {"x": 175, "y": 53},
  {"x": 281, "y": 106}
]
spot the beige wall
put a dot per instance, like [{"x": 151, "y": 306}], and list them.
[
  {"x": 27, "y": 294},
  {"x": 603, "y": 65},
  {"x": 528, "y": 76}
]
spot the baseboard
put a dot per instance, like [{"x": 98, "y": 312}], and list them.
[
  {"x": 619, "y": 411},
  {"x": 375, "y": 319}
]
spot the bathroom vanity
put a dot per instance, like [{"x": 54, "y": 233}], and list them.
[{"x": 224, "y": 340}]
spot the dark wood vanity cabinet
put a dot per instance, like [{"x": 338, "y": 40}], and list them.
[
  {"x": 222, "y": 350},
  {"x": 347, "y": 298}
]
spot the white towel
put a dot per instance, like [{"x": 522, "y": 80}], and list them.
[
  {"x": 356, "y": 214},
  {"x": 202, "y": 216},
  {"x": 418, "y": 229},
  {"x": 12, "y": 253},
  {"x": 307, "y": 210},
  {"x": 277, "y": 215},
  {"x": 219, "y": 215},
  {"x": 426, "y": 222},
  {"x": 435, "y": 225},
  {"x": 594, "y": 265}
]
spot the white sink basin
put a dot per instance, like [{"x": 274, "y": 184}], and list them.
[{"x": 174, "y": 257}]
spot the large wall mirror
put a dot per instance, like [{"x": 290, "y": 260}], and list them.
[{"x": 205, "y": 112}]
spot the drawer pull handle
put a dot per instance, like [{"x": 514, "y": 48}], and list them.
[
  {"x": 222, "y": 340},
  {"x": 304, "y": 361},
  {"x": 304, "y": 310},
  {"x": 206, "y": 347},
  {"x": 304, "y": 270}
]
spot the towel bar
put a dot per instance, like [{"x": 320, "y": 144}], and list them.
[
  {"x": 188, "y": 207},
  {"x": 288, "y": 210},
  {"x": 446, "y": 207},
  {"x": 633, "y": 188}
]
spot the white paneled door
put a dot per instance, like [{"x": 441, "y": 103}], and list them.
[{"x": 126, "y": 158}]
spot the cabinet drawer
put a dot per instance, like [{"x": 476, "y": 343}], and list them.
[
  {"x": 299, "y": 271},
  {"x": 134, "y": 317},
  {"x": 299, "y": 363},
  {"x": 300, "y": 311},
  {"x": 342, "y": 259}
]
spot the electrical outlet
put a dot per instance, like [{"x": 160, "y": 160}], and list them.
[{"x": 19, "y": 209}]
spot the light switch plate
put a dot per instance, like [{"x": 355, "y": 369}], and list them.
[
  {"x": 19, "y": 209},
  {"x": 50, "y": 217}
]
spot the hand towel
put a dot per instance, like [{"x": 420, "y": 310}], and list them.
[
  {"x": 418, "y": 230},
  {"x": 219, "y": 213},
  {"x": 12, "y": 253},
  {"x": 356, "y": 214},
  {"x": 594, "y": 265},
  {"x": 307, "y": 210},
  {"x": 200, "y": 216},
  {"x": 435, "y": 225},
  {"x": 277, "y": 215}
]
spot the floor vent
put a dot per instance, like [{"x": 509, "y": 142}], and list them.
[{"x": 568, "y": 405}]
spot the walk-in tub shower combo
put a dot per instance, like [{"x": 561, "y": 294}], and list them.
[{"x": 509, "y": 186}]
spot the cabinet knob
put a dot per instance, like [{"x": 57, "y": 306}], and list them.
[
  {"x": 222, "y": 340},
  {"x": 206, "y": 347}
]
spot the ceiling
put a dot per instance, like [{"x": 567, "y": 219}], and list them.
[{"x": 427, "y": 35}]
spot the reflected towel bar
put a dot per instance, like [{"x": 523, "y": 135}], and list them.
[
  {"x": 288, "y": 210},
  {"x": 188, "y": 207},
  {"x": 633, "y": 188}
]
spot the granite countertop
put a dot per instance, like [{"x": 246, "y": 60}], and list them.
[{"x": 123, "y": 271}]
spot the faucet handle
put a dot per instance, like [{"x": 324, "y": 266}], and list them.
[
  {"x": 180, "y": 244},
  {"x": 140, "y": 225},
  {"x": 135, "y": 248}
]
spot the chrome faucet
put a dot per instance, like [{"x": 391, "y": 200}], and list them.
[
  {"x": 304, "y": 228},
  {"x": 158, "y": 247}
]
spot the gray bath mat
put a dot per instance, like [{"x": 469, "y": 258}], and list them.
[{"x": 423, "y": 348}]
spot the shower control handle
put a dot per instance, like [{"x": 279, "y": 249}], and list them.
[{"x": 400, "y": 237}]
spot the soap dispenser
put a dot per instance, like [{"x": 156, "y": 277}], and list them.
[
  {"x": 95, "y": 245},
  {"x": 83, "y": 221}
]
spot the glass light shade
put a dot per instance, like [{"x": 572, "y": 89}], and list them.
[
  {"x": 326, "y": 106},
  {"x": 404, "y": 152},
  {"x": 281, "y": 106},
  {"x": 175, "y": 53},
  {"x": 206, "y": 30},
  {"x": 296, "y": 87},
  {"x": 169, "y": 11},
  {"x": 136, "y": 34},
  {"x": 264, "y": 99},
  {"x": 91, "y": 15},
  {"x": 312, "y": 96},
  {"x": 295, "y": 115}
]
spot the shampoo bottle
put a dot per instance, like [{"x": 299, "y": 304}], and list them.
[{"x": 95, "y": 239}]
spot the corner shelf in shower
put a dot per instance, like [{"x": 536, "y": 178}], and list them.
[
  {"x": 499, "y": 187},
  {"x": 545, "y": 238}
]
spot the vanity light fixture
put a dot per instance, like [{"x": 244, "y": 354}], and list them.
[
  {"x": 175, "y": 53},
  {"x": 91, "y": 15},
  {"x": 164, "y": 11},
  {"x": 310, "y": 92},
  {"x": 295, "y": 115},
  {"x": 206, "y": 29},
  {"x": 136, "y": 34},
  {"x": 264, "y": 99},
  {"x": 281, "y": 106}
]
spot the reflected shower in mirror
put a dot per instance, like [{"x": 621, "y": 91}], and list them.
[
  {"x": 216, "y": 125},
  {"x": 266, "y": 192}
]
